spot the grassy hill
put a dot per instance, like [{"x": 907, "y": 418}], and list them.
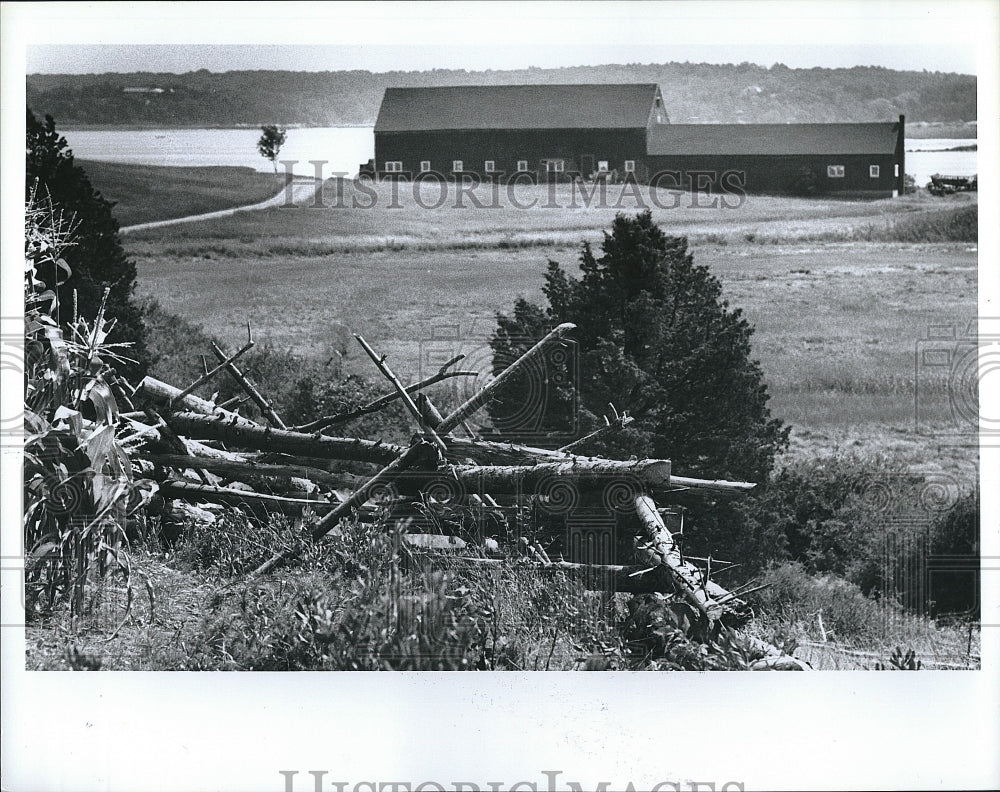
[
  {"x": 143, "y": 193},
  {"x": 693, "y": 93}
]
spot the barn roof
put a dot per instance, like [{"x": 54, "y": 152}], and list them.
[
  {"x": 516, "y": 107},
  {"x": 750, "y": 139}
]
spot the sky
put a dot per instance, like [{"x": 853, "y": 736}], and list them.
[
  {"x": 178, "y": 37},
  {"x": 82, "y": 59}
]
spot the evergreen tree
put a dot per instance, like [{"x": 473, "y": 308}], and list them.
[
  {"x": 96, "y": 258},
  {"x": 656, "y": 339}
]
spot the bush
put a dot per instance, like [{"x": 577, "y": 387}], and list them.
[
  {"x": 944, "y": 225},
  {"x": 655, "y": 338},
  {"x": 795, "y": 596}
]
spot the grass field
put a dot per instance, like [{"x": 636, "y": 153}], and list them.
[
  {"x": 144, "y": 193},
  {"x": 838, "y": 321}
]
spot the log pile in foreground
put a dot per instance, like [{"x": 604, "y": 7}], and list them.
[{"x": 200, "y": 452}]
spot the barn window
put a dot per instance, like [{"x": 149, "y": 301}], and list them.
[
  {"x": 456, "y": 166},
  {"x": 835, "y": 171},
  {"x": 393, "y": 166},
  {"x": 897, "y": 170},
  {"x": 658, "y": 102},
  {"x": 425, "y": 166},
  {"x": 602, "y": 166},
  {"x": 490, "y": 166},
  {"x": 555, "y": 166},
  {"x": 873, "y": 171},
  {"x": 522, "y": 165},
  {"x": 630, "y": 166}
]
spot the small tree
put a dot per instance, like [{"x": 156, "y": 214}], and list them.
[
  {"x": 272, "y": 138},
  {"x": 655, "y": 338}
]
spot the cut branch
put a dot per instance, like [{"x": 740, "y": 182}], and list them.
[
  {"x": 209, "y": 374},
  {"x": 383, "y": 367},
  {"x": 249, "y": 388},
  {"x": 384, "y": 401},
  {"x": 475, "y": 402},
  {"x": 611, "y": 426}
]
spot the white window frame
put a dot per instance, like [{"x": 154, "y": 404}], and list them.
[
  {"x": 873, "y": 171},
  {"x": 835, "y": 171},
  {"x": 630, "y": 166},
  {"x": 896, "y": 171},
  {"x": 522, "y": 165},
  {"x": 490, "y": 166},
  {"x": 555, "y": 166},
  {"x": 457, "y": 166},
  {"x": 602, "y": 166},
  {"x": 393, "y": 166},
  {"x": 425, "y": 166}
]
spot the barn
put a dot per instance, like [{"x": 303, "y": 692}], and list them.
[
  {"x": 525, "y": 131},
  {"x": 560, "y": 132},
  {"x": 866, "y": 160}
]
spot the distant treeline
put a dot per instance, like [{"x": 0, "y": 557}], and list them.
[{"x": 693, "y": 93}]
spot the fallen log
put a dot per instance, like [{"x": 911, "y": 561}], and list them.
[
  {"x": 712, "y": 485},
  {"x": 492, "y": 452},
  {"x": 583, "y": 474},
  {"x": 191, "y": 492},
  {"x": 246, "y": 468},
  {"x": 167, "y": 395},
  {"x": 659, "y": 549},
  {"x": 264, "y": 438},
  {"x": 155, "y": 440},
  {"x": 630, "y": 579}
]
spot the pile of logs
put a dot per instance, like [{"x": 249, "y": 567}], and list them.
[{"x": 200, "y": 452}]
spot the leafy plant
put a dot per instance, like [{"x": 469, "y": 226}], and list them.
[
  {"x": 77, "y": 478},
  {"x": 900, "y": 661}
]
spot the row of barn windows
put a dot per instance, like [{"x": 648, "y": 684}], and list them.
[
  {"x": 837, "y": 171},
  {"x": 558, "y": 166},
  {"x": 489, "y": 166}
]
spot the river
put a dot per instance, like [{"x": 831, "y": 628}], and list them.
[{"x": 344, "y": 148}]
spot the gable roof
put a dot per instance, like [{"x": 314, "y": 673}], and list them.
[
  {"x": 516, "y": 107},
  {"x": 750, "y": 139}
]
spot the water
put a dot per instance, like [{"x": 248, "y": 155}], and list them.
[
  {"x": 923, "y": 164},
  {"x": 345, "y": 148}
]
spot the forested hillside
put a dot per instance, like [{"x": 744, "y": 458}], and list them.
[{"x": 693, "y": 92}]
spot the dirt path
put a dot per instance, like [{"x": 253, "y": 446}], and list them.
[{"x": 302, "y": 188}]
